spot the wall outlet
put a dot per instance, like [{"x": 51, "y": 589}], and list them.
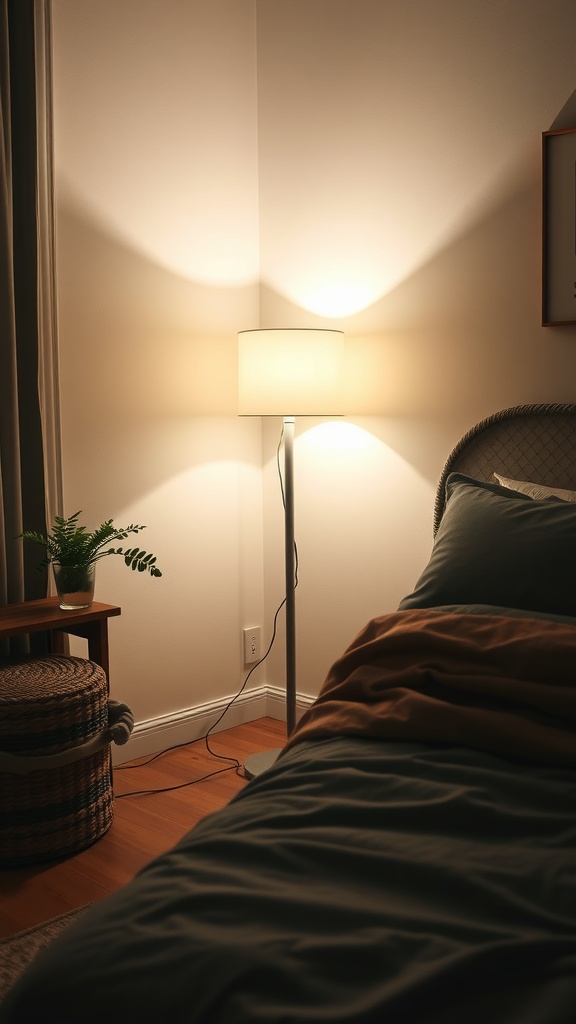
[{"x": 251, "y": 644}]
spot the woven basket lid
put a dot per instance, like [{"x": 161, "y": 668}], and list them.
[{"x": 50, "y": 703}]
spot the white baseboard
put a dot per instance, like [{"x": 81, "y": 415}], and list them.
[{"x": 189, "y": 724}]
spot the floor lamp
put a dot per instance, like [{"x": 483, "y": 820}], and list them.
[{"x": 288, "y": 373}]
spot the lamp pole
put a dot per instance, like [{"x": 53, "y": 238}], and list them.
[{"x": 290, "y": 561}]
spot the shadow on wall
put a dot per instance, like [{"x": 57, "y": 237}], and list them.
[
  {"x": 567, "y": 116},
  {"x": 147, "y": 388},
  {"x": 154, "y": 343},
  {"x": 456, "y": 341},
  {"x": 461, "y": 337}
]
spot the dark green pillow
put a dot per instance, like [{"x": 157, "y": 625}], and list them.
[{"x": 500, "y": 547}]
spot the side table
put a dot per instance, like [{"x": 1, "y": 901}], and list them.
[{"x": 45, "y": 614}]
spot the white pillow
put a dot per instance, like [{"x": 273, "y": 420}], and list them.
[{"x": 537, "y": 491}]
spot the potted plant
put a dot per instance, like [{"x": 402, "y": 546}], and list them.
[{"x": 73, "y": 552}]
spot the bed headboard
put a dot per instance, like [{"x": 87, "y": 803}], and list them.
[{"x": 526, "y": 442}]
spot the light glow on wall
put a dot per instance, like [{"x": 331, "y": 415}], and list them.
[
  {"x": 337, "y": 437},
  {"x": 371, "y": 162},
  {"x": 338, "y": 298}
]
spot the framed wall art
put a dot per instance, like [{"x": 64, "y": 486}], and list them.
[{"x": 559, "y": 227}]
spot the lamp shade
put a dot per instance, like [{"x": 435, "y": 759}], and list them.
[{"x": 289, "y": 372}]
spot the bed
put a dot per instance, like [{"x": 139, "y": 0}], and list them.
[{"x": 410, "y": 858}]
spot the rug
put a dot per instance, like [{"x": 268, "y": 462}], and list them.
[{"x": 17, "y": 951}]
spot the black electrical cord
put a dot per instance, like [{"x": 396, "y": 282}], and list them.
[{"x": 235, "y": 765}]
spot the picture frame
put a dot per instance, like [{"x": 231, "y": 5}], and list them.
[{"x": 559, "y": 227}]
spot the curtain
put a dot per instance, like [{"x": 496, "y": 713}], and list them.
[
  {"x": 48, "y": 372},
  {"x": 30, "y": 473}
]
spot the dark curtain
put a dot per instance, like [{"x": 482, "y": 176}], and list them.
[{"x": 22, "y": 484}]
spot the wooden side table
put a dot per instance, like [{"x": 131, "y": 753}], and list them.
[{"x": 90, "y": 623}]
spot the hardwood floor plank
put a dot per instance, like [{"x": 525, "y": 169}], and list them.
[{"x": 143, "y": 826}]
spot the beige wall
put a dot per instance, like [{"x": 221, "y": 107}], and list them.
[
  {"x": 156, "y": 171},
  {"x": 399, "y": 188},
  {"x": 224, "y": 164}
]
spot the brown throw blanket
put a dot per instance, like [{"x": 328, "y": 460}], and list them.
[{"x": 495, "y": 683}]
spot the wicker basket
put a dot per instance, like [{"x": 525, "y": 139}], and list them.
[{"x": 50, "y": 708}]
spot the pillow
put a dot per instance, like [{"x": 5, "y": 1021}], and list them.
[
  {"x": 500, "y": 547},
  {"x": 538, "y": 491}
]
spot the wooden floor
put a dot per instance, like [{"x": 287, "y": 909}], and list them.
[{"x": 143, "y": 825}]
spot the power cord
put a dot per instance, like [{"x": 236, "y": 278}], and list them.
[
  {"x": 236, "y": 764},
  {"x": 165, "y": 789}
]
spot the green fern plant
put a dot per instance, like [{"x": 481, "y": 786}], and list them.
[{"x": 70, "y": 544}]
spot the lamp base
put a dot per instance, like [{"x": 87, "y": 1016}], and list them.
[{"x": 256, "y": 764}]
